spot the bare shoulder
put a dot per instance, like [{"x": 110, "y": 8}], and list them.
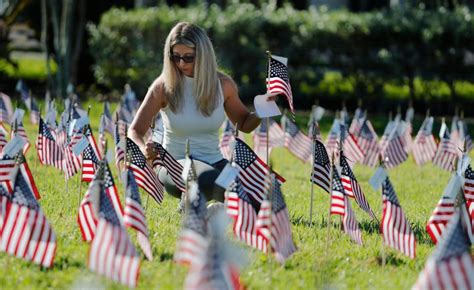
[
  {"x": 157, "y": 91},
  {"x": 229, "y": 87}
]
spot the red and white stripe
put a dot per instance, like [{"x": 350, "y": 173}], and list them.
[
  {"x": 49, "y": 152},
  {"x": 440, "y": 217},
  {"x": 275, "y": 228},
  {"x": 113, "y": 255},
  {"x": 352, "y": 149},
  {"x": 349, "y": 222},
  {"x": 27, "y": 234},
  {"x": 245, "y": 217},
  {"x": 396, "y": 230},
  {"x": 446, "y": 154},
  {"x": 300, "y": 145},
  {"x": 134, "y": 217},
  {"x": 424, "y": 148},
  {"x": 147, "y": 179},
  {"x": 86, "y": 218}
]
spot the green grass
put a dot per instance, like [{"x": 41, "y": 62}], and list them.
[
  {"x": 317, "y": 264},
  {"x": 30, "y": 66}
]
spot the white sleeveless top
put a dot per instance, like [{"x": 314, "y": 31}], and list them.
[{"x": 189, "y": 123}]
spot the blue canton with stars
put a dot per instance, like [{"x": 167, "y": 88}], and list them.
[
  {"x": 132, "y": 188},
  {"x": 278, "y": 202},
  {"x": 135, "y": 155},
  {"x": 455, "y": 241},
  {"x": 195, "y": 216},
  {"x": 346, "y": 170},
  {"x": 336, "y": 181},
  {"x": 22, "y": 194},
  {"x": 389, "y": 192},
  {"x": 291, "y": 127},
  {"x": 44, "y": 130},
  {"x": 244, "y": 156},
  {"x": 278, "y": 70},
  {"x": 106, "y": 209},
  {"x": 320, "y": 155},
  {"x": 238, "y": 188}
]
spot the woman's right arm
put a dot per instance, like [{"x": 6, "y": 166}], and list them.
[{"x": 151, "y": 105}]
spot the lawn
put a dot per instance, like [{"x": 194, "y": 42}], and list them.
[{"x": 320, "y": 262}]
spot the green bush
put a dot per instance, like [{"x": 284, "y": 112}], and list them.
[{"x": 333, "y": 56}]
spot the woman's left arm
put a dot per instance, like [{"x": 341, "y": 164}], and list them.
[{"x": 236, "y": 111}]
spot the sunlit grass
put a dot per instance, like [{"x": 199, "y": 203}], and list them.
[{"x": 320, "y": 262}]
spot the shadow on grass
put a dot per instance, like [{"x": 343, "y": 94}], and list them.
[
  {"x": 418, "y": 230},
  {"x": 166, "y": 256},
  {"x": 62, "y": 263},
  {"x": 390, "y": 259}
]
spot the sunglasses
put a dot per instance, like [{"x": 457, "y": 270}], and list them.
[{"x": 186, "y": 58}]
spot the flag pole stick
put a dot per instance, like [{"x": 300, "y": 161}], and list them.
[
  {"x": 36, "y": 159},
  {"x": 269, "y": 55},
  {"x": 331, "y": 174},
  {"x": 382, "y": 248},
  {"x": 312, "y": 183}
]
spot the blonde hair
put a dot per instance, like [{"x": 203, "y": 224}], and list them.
[{"x": 206, "y": 76}]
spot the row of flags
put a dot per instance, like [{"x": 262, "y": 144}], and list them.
[{"x": 360, "y": 141}]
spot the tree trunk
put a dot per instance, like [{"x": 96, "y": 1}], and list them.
[{"x": 76, "y": 52}]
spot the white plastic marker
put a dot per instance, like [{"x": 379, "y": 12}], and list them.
[{"x": 265, "y": 108}]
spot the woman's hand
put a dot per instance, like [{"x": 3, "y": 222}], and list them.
[
  {"x": 149, "y": 151},
  {"x": 272, "y": 97}
]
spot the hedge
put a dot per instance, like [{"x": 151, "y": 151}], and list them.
[{"x": 389, "y": 55}]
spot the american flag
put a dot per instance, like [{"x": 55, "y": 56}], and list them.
[
  {"x": 174, "y": 168},
  {"x": 243, "y": 211},
  {"x": 89, "y": 164},
  {"x": 226, "y": 140},
  {"x": 217, "y": 271},
  {"x": 446, "y": 153},
  {"x": 395, "y": 228},
  {"x": 469, "y": 194},
  {"x": 24, "y": 91},
  {"x": 332, "y": 142},
  {"x": 145, "y": 177},
  {"x": 277, "y": 138},
  {"x": 424, "y": 147},
  {"x": 357, "y": 122},
  {"x": 392, "y": 147},
  {"x": 278, "y": 80},
  {"x": 108, "y": 123},
  {"x": 20, "y": 132},
  {"x": 4, "y": 115},
  {"x": 298, "y": 143},
  {"x": 273, "y": 223},
  {"x": 8, "y": 174},
  {"x": 134, "y": 217},
  {"x": 368, "y": 142},
  {"x": 34, "y": 112},
  {"x": 349, "y": 222},
  {"x": 49, "y": 152},
  {"x": 112, "y": 253},
  {"x": 3, "y": 137},
  {"x": 253, "y": 172},
  {"x": 441, "y": 215},
  {"x": 321, "y": 167},
  {"x": 26, "y": 173},
  {"x": 352, "y": 187},
  {"x": 314, "y": 132},
  {"x": 337, "y": 194},
  {"x": 5, "y": 201},
  {"x": 451, "y": 266},
  {"x": 193, "y": 239},
  {"x": 26, "y": 232},
  {"x": 85, "y": 217},
  {"x": 218, "y": 268},
  {"x": 102, "y": 138},
  {"x": 90, "y": 156},
  {"x": 119, "y": 150},
  {"x": 351, "y": 147}
]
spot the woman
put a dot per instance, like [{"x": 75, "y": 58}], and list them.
[{"x": 193, "y": 98}]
